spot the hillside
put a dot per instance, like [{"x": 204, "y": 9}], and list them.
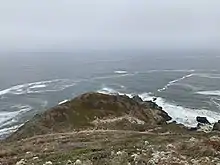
[
  {"x": 97, "y": 129},
  {"x": 95, "y": 111}
]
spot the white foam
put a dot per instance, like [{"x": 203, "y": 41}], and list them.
[
  {"x": 62, "y": 102},
  {"x": 39, "y": 87},
  {"x": 112, "y": 76},
  {"x": 179, "y": 114},
  {"x": 213, "y": 100},
  {"x": 106, "y": 90},
  {"x": 5, "y": 116},
  {"x": 210, "y": 93},
  {"x": 174, "y": 81},
  {"x": 170, "y": 70},
  {"x": 9, "y": 117},
  {"x": 120, "y": 72},
  {"x": 209, "y": 76},
  {"x": 9, "y": 130},
  {"x": 15, "y": 89}
]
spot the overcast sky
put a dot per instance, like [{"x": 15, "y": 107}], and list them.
[{"x": 81, "y": 24}]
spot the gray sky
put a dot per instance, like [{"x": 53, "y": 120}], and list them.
[{"x": 77, "y": 24}]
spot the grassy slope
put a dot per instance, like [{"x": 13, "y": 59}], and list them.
[
  {"x": 79, "y": 114},
  {"x": 113, "y": 147},
  {"x": 65, "y": 133}
]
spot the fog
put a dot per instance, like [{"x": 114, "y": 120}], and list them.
[{"x": 108, "y": 24}]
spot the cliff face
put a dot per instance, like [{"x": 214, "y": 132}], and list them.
[
  {"x": 97, "y": 129},
  {"x": 95, "y": 111}
]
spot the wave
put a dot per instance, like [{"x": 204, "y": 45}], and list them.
[
  {"x": 106, "y": 90},
  {"x": 210, "y": 93},
  {"x": 61, "y": 84},
  {"x": 7, "y": 131},
  {"x": 7, "y": 119},
  {"x": 62, "y": 102},
  {"x": 171, "y": 70},
  {"x": 39, "y": 87},
  {"x": 213, "y": 100},
  {"x": 209, "y": 76},
  {"x": 10, "y": 117},
  {"x": 120, "y": 72},
  {"x": 174, "y": 81},
  {"x": 111, "y": 76},
  {"x": 186, "y": 116},
  {"x": 179, "y": 114}
]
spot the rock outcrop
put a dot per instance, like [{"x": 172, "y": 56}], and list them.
[
  {"x": 202, "y": 120},
  {"x": 216, "y": 126},
  {"x": 137, "y": 99},
  {"x": 97, "y": 129},
  {"x": 89, "y": 110}
]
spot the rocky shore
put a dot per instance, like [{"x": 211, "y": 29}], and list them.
[{"x": 97, "y": 129}]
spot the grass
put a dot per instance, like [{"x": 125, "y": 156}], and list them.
[
  {"x": 97, "y": 147},
  {"x": 66, "y": 132}
]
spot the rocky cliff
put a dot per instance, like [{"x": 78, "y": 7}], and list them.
[
  {"x": 102, "y": 129},
  {"x": 95, "y": 111}
]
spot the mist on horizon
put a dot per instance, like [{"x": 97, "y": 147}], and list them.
[{"x": 116, "y": 24}]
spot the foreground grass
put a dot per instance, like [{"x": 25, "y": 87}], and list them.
[{"x": 100, "y": 147}]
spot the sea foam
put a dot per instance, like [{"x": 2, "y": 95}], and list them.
[
  {"x": 174, "y": 81},
  {"x": 120, "y": 72},
  {"x": 210, "y": 93},
  {"x": 179, "y": 114},
  {"x": 39, "y": 87},
  {"x": 9, "y": 118}
]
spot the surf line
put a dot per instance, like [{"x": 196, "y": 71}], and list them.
[
  {"x": 174, "y": 81},
  {"x": 212, "y": 99}
]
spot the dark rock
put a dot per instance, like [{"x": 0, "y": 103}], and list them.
[
  {"x": 151, "y": 104},
  {"x": 216, "y": 126},
  {"x": 202, "y": 120},
  {"x": 137, "y": 99},
  {"x": 199, "y": 125},
  {"x": 154, "y": 99},
  {"x": 164, "y": 115},
  {"x": 174, "y": 122},
  {"x": 193, "y": 129}
]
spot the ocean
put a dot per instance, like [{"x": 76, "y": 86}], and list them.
[{"x": 186, "y": 84}]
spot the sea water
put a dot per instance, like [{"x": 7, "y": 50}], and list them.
[{"x": 186, "y": 85}]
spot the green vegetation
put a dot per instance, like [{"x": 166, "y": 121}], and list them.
[{"x": 97, "y": 129}]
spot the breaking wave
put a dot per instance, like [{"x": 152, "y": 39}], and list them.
[
  {"x": 210, "y": 93},
  {"x": 209, "y": 76},
  {"x": 179, "y": 114},
  {"x": 120, "y": 72},
  {"x": 174, "y": 81},
  {"x": 171, "y": 70},
  {"x": 7, "y": 119},
  {"x": 39, "y": 87},
  {"x": 7, "y": 131}
]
